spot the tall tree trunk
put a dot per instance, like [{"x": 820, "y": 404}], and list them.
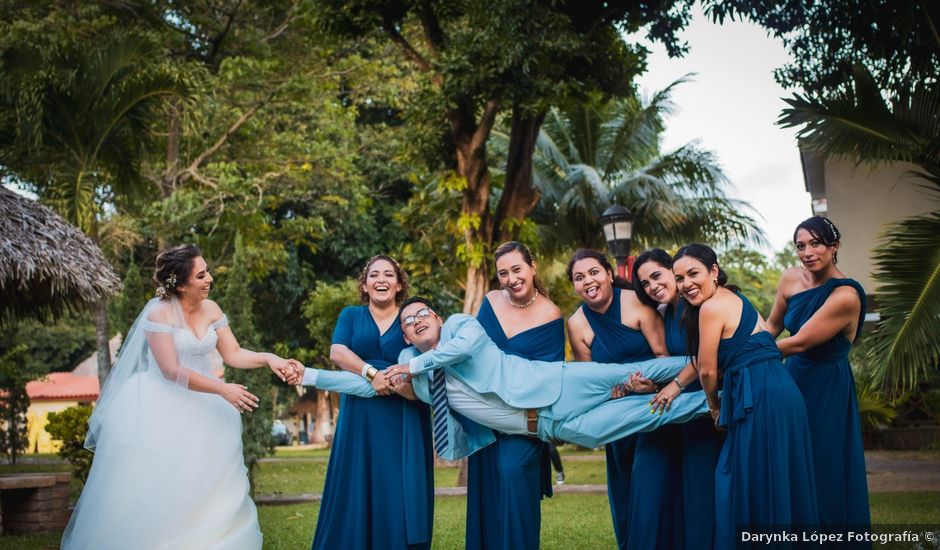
[
  {"x": 174, "y": 132},
  {"x": 323, "y": 424},
  {"x": 470, "y": 138},
  {"x": 519, "y": 195},
  {"x": 101, "y": 340}
]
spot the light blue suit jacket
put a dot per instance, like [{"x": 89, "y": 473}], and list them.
[
  {"x": 464, "y": 436},
  {"x": 464, "y": 347}
]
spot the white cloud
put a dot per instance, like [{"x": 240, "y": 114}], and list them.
[{"x": 731, "y": 107}]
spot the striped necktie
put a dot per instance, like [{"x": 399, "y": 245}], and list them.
[{"x": 440, "y": 410}]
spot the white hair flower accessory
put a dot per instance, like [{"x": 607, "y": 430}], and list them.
[{"x": 168, "y": 284}]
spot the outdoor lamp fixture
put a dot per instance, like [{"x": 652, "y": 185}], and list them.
[{"x": 617, "y": 222}]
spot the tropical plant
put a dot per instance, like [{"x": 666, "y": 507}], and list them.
[
  {"x": 869, "y": 124},
  {"x": 76, "y": 127},
  {"x": 69, "y": 427},
  {"x": 593, "y": 154}
]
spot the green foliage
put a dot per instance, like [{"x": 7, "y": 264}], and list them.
[
  {"x": 126, "y": 306},
  {"x": 896, "y": 41},
  {"x": 80, "y": 121},
  {"x": 321, "y": 310},
  {"x": 50, "y": 347},
  {"x": 873, "y": 124},
  {"x": 905, "y": 347},
  {"x": 434, "y": 240},
  {"x": 594, "y": 153},
  {"x": 238, "y": 306},
  {"x": 754, "y": 274},
  {"x": 13, "y": 403},
  {"x": 69, "y": 428}
]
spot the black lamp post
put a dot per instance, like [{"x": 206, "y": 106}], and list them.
[{"x": 617, "y": 222}]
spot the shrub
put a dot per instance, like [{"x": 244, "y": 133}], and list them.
[{"x": 69, "y": 426}]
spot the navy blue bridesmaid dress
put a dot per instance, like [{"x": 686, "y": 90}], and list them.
[
  {"x": 506, "y": 480},
  {"x": 765, "y": 470},
  {"x": 642, "y": 470},
  {"x": 701, "y": 445},
  {"x": 364, "y": 503},
  {"x": 825, "y": 379}
]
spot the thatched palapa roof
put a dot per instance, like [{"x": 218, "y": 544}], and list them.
[{"x": 46, "y": 264}]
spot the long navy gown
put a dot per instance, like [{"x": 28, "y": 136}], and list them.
[
  {"x": 765, "y": 470},
  {"x": 825, "y": 379},
  {"x": 615, "y": 342},
  {"x": 379, "y": 490},
  {"x": 701, "y": 445},
  {"x": 506, "y": 480}
]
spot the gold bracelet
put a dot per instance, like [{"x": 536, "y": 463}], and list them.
[{"x": 371, "y": 372}]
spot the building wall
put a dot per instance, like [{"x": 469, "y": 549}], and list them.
[
  {"x": 862, "y": 200},
  {"x": 37, "y": 417}
]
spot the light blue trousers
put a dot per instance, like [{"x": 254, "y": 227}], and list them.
[{"x": 584, "y": 414}]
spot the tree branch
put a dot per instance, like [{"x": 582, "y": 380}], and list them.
[
  {"x": 191, "y": 171},
  {"x": 279, "y": 30},
  {"x": 406, "y": 46},
  {"x": 485, "y": 127},
  {"x": 433, "y": 33}
]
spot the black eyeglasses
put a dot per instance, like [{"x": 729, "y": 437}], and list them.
[{"x": 419, "y": 315}]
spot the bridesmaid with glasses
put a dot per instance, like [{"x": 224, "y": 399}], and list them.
[
  {"x": 824, "y": 311},
  {"x": 507, "y": 480}
]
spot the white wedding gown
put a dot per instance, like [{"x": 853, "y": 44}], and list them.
[{"x": 168, "y": 471}]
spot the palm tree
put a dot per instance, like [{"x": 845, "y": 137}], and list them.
[
  {"x": 601, "y": 152},
  {"x": 867, "y": 124},
  {"x": 76, "y": 126}
]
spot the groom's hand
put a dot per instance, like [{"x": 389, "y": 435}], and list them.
[
  {"x": 403, "y": 371},
  {"x": 294, "y": 374}
]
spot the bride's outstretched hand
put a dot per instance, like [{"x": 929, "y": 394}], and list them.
[
  {"x": 281, "y": 367},
  {"x": 240, "y": 397}
]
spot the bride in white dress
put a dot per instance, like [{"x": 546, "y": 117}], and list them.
[{"x": 168, "y": 471}]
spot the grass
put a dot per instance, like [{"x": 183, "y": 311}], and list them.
[
  {"x": 307, "y": 475},
  {"x": 569, "y": 521}
]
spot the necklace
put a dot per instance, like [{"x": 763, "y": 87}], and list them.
[{"x": 525, "y": 305}]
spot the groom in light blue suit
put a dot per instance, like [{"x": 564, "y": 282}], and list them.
[{"x": 475, "y": 388}]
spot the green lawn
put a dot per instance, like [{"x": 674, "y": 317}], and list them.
[
  {"x": 306, "y": 475},
  {"x": 569, "y": 521}
]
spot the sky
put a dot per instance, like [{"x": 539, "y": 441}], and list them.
[{"x": 731, "y": 107}]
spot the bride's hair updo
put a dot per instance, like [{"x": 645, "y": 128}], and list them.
[{"x": 174, "y": 267}]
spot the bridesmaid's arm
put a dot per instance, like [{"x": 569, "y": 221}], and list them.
[
  {"x": 836, "y": 315},
  {"x": 578, "y": 334},
  {"x": 654, "y": 330},
  {"x": 346, "y": 358},
  {"x": 774, "y": 323},
  {"x": 710, "y": 325}
]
